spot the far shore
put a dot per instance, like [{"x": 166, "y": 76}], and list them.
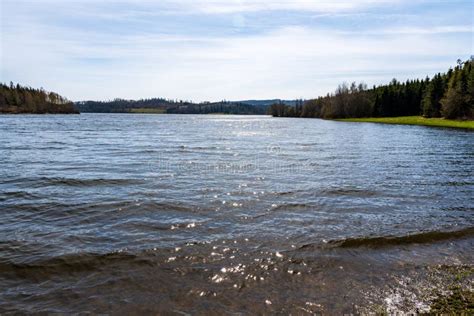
[{"x": 414, "y": 120}]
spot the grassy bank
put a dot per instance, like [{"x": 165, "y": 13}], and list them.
[
  {"x": 148, "y": 111},
  {"x": 414, "y": 120}
]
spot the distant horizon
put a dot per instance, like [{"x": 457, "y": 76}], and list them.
[
  {"x": 209, "y": 51},
  {"x": 244, "y": 99}
]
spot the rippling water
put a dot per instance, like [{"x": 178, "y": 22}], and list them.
[{"x": 250, "y": 214}]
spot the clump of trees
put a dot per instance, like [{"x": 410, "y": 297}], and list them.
[
  {"x": 449, "y": 95},
  {"x": 15, "y": 99},
  {"x": 458, "y": 99}
]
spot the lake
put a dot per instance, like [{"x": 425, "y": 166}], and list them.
[{"x": 186, "y": 214}]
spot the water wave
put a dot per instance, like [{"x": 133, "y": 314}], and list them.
[
  {"x": 350, "y": 192},
  {"x": 4, "y": 196},
  {"x": 70, "y": 263},
  {"x": 74, "y": 182},
  {"x": 418, "y": 238}
]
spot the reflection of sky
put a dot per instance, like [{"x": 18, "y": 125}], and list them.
[{"x": 212, "y": 50}]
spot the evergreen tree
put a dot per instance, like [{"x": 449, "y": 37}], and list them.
[
  {"x": 432, "y": 97},
  {"x": 453, "y": 101}
]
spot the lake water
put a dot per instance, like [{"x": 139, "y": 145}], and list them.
[{"x": 230, "y": 214}]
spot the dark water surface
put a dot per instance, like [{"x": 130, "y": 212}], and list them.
[{"x": 229, "y": 214}]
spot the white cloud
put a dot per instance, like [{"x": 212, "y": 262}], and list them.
[
  {"x": 426, "y": 30},
  {"x": 234, "y": 6},
  {"x": 287, "y": 62},
  {"x": 131, "y": 8}
]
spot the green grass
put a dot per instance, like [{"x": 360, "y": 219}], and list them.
[
  {"x": 414, "y": 120},
  {"x": 148, "y": 111},
  {"x": 459, "y": 302}
]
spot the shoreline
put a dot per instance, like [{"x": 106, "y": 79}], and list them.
[{"x": 413, "y": 120}]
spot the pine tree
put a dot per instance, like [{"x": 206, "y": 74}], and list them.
[
  {"x": 454, "y": 103},
  {"x": 432, "y": 98},
  {"x": 470, "y": 89}
]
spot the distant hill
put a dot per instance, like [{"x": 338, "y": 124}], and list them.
[{"x": 16, "y": 99}]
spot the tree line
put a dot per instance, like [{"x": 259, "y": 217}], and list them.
[
  {"x": 223, "y": 107},
  {"x": 449, "y": 95},
  {"x": 168, "y": 106},
  {"x": 16, "y": 99}
]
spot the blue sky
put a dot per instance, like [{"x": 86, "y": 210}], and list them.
[{"x": 226, "y": 49}]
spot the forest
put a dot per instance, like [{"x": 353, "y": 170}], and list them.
[
  {"x": 17, "y": 99},
  {"x": 449, "y": 95},
  {"x": 159, "y": 105}
]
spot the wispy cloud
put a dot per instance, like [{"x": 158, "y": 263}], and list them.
[
  {"x": 233, "y": 6},
  {"x": 211, "y": 50},
  {"x": 426, "y": 30}
]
